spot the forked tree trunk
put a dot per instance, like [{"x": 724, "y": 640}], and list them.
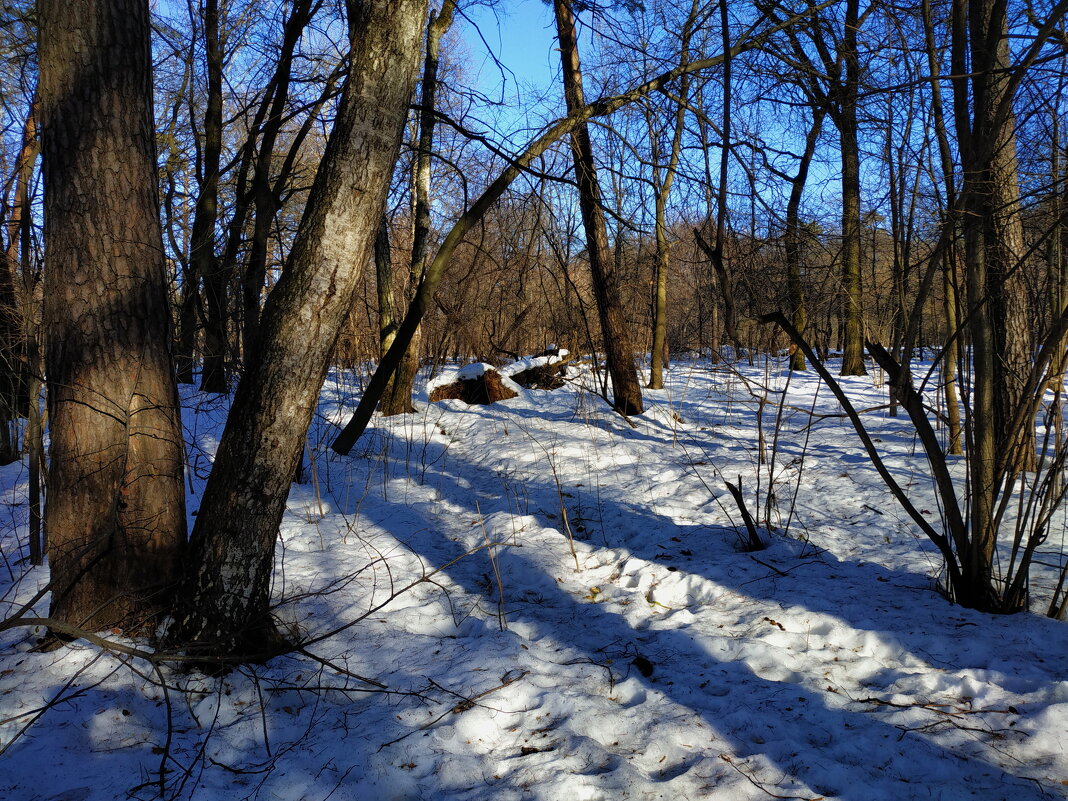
[
  {"x": 660, "y": 356},
  {"x": 115, "y": 515},
  {"x": 626, "y": 390},
  {"x": 264, "y": 197},
  {"x": 224, "y": 611}
]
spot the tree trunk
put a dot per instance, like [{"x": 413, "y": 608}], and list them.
[
  {"x": 115, "y": 515},
  {"x": 14, "y": 372},
  {"x": 660, "y": 356},
  {"x": 398, "y": 396},
  {"x": 950, "y": 256},
  {"x": 264, "y": 198},
  {"x": 202, "y": 262},
  {"x": 626, "y": 390},
  {"x": 792, "y": 239},
  {"x": 224, "y": 611},
  {"x": 992, "y": 237},
  {"x": 852, "y": 319},
  {"x": 387, "y": 308}
]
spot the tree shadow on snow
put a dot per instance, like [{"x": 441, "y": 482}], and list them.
[{"x": 860, "y": 756}]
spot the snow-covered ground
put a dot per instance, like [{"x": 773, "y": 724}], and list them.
[{"x": 553, "y": 604}]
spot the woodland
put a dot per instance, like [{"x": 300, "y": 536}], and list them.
[{"x": 749, "y": 270}]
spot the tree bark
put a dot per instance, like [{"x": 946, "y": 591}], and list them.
[
  {"x": 993, "y": 248},
  {"x": 626, "y": 389},
  {"x": 115, "y": 514},
  {"x": 224, "y": 611},
  {"x": 792, "y": 238},
  {"x": 202, "y": 262},
  {"x": 14, "y": 369},
  {"x": 398, "y": 396},
  {"x": 846, "y": 96},
  {"x": 264, "y": 198}
]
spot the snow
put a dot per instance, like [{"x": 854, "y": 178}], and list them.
[
  {"x": 530, "y": 362},
  {"x": 558, "y": 607}
]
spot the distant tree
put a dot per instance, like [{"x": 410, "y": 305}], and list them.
[
  {"x": 662, "y": 178},
  {"x": 398, "y": 397},
  {"x": 203, "y": 266},
  {"x": 626, "y": 389},
  {"x": 795, "y": 235},
  {"x": 832, "y": 80}
]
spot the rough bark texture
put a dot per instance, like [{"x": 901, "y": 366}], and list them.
[
  {"x": 115, "y": 516},
  {"x": 626, "y": 390},
  {"x": 225, "y": 595}
]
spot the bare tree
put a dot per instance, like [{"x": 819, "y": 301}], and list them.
[
  {"x": 224, "y": 611},
  {"x": 398, "y": 397},
  {"x": 626, "y": 390}
]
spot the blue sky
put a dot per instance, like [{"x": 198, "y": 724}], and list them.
[{"x": 522, "y": 36}]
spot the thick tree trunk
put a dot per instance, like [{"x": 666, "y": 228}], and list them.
[
  {"x": 626, "y": 390},
  {"x": 1009, "y": 297},
  {"x": 225, "y": 596},
  {"x": 115, "y": 516}
]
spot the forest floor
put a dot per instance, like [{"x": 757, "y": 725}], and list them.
[{"x": 554, "y": 604}]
